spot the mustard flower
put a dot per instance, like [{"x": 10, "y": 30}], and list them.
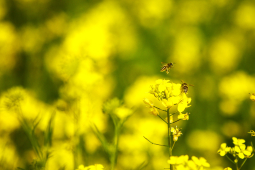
[
  {"x": 223, "y": 149},
  {"x": 175, "y": 160},
  {"x": 252, "y": 96},
  {"x": 150, "y": 105},
  {"x": 228, "y": 168},
  {"x": 167, "y": 103},
  {"x": 81, "y": 167},
  {"x": 201, "y": 162},
  {"x": 183, "y": 116},
  {"x": 238, "y": 141},
  {"x": 183, "y": 163},
  {"x": 176, "y": 133}
]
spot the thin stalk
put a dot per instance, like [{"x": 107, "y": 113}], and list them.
[
  {"x": 114, "y": 154},
  {"x": 155, "y": 143},
  {"x": 243, "y": 163},
  {"x": 230, "y": 159},
  {"x": 160, "y": 109},
  {"x": 169, "y": 136},
  {"x": 173, "y": 145}
]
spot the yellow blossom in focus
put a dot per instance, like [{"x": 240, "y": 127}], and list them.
[
  {"x": 183, "y": 116},
  {"x": 176, "y": 133},
  {"x": 252, "y": 96},
  {"x": 223, "y": 149},
  {"x": 170, "y": 94}
]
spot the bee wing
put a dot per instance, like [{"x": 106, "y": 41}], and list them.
[{"x": 163, "y": 64}]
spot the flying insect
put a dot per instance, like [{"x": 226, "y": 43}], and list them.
[
  {"x": 184, "y": 87},
  {"x": 166, "y": 67}
]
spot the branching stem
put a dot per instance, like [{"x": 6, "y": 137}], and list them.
[{"x": 155, "y": 143}]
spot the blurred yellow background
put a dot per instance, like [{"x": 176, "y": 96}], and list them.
[{"x": 67, "y": 58}]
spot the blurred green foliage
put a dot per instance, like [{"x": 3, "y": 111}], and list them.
[{"x": 68, "y": 57}]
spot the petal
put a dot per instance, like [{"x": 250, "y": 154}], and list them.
[
  {"x": 181, "y": 106},
  {"x": 223, "y": 145}
]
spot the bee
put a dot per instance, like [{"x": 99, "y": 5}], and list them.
[
  {"x": 184, "y": 87},
  {"x": 166, "y": 67}
]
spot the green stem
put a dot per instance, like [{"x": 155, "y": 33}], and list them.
[
  {"x": 160, "y": 109},
  {"x": 169, "y": 135},
  {"x": 230, "y": 159},
  {"x": 114, "y": 151},
  {"x": 155, "y": 143},
  {"x": 243, "y": 163}
]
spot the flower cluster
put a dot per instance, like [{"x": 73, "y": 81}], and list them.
[
  {"x": 183, "y": 163},
  {"x": 170, "y": 94},
  {"x": 239, "y": 150},
  {"x": 91, "y": 167}
]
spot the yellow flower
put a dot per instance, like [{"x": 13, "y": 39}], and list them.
[
  {"x": 223, "y": 149},
  {"x": 96, "y": 167},
  {"x": 176, "y": 89},
  {"x": 148, "y": 102},
  {"x": 228, "y": 168},
  {"x": 167, "y": 103},
  {"x": 150, "y": 105},
  {"x": 183, "y": 116},
  {"x": 238, "y": 141},
  {"x": 200, "y": 162},
  {"x": 252, "y": 96},
  {"x": 81, "y": 167},
  {"x": 183, "y": 103},
  {"x": 176, "y": 133},
  {"x": 162, "y": 84},
  {"x": 175, "y": 160},
  {"x": 154, "y": 111}
]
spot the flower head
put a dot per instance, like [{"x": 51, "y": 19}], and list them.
[
  {"x": 238, "y": 142},
  {"x": 176, "y": 133},
  {"x": 228, "y": 168},
  {"x": 183, "y": 116},
  {"x": 170, "y": 94},
  {"x": 200, "y": 162},
  {"x": 223, "y": 149}
]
